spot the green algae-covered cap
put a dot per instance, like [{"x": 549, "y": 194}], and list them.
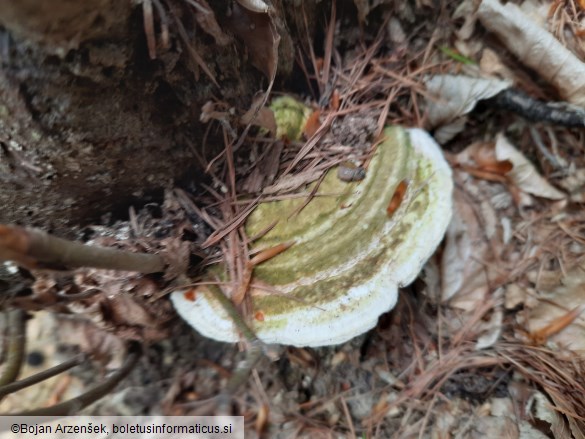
[{"x": 351, "y": 254}]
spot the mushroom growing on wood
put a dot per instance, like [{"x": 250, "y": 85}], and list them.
[{"x": 350, "y": 255}]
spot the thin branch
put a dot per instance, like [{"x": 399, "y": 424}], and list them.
[
  {"x": 190, "y": 49},
  {"x": 41, "y": 376},
  {"x": 257, "y": 348},
  {"x": 74, "y": 405},
  {"x": 234, "y": 315},
  {"x": 240, "y": 376},
  {"x": 34, "y": 248},
  {"x": 16, "y": 346}
]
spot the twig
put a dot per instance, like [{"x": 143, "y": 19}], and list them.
[
  {"x": 190, "y": 49},
  {"x": 535, "y": 110},
  {"x": 234, "y": 315},
  {"x": 264, "y": 255},
  {"x": 33, "y": 248},
  {"x": 41, "y": 376},
  {"x": 552, "y": 159},
  {"x": 16, "y": 346},
  {"x": 74, "y": 405},
  {"x": 257, "y": 347},
  {"x": 230, "y": 226},
  {"x": 324, "y": 76},
  {"x": 240, "y": 375}
]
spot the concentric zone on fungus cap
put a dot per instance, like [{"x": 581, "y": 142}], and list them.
[{"x": 350, "y": 256}]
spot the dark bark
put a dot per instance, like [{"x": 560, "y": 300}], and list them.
[{"x": 88, "y": 121}]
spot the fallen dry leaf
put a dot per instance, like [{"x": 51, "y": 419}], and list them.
[
  {"x": 559, "y": 308},
  {"x": 485, "y": 157},
  {"x": 260, "y": 117},
  {"x": 554, "y": 327},
  {"x": 539, "y": 408},
  {"x": 479, "y": 160},
  {"x": 464, "y": 279},
  {"x": 466, "y": 10},
  {"x": 491, "y": 330},
  {"x": 101, "y": 345},
  {"x": 124, "y": 310},
  {"x": 458, "y": 95},
  {"x": 574, "y": 184},
  {"x": 524, "y": 174},
  {"x": 259, "y": 34}
]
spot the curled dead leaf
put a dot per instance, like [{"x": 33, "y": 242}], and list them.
[
  {"x": 261, "y": 117},
  {"x": 258, "y": 33},
  {"x": 523, "y": 173},
  {"x": 541, "y": 335},
  {"x": 101, "y": 345},
  {"x": 559, "y": 318},
  {"x": 456, "y": 96}
]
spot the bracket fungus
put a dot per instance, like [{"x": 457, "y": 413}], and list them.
[{"x": 352, "y": 252}]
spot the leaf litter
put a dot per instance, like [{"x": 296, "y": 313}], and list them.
[{"x": 498, "y": 348}]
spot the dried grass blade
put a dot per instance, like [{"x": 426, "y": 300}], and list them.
[{"x": 218, "y": 235}]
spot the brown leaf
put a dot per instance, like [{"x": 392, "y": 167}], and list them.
[
  {"x": 524, "y": 174},
  {"x": 261, "y": 117},
  {"x": 557, "y": 325},
  {"x": 262, "y": 419},
  {"x": 484, "y": 155},
  {"x": 501, "y": 167},
  {"x": 483, "y": 174},
  {"x": 558, "y": 318},
  {"x": 258, "y": 33},
  {"x": 103, "y": 346},
  {"x": 124, "y": 310},
  {"x": 312, "y": 125},
  {"x": 479, "y": 159},
  {"x": 176, "y": 254}
]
